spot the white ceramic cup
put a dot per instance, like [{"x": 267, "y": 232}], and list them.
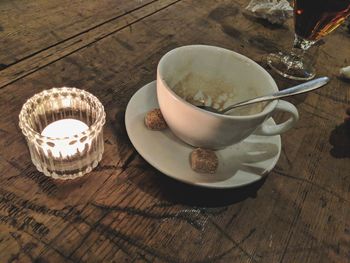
[{"x": 211, "y": 68}]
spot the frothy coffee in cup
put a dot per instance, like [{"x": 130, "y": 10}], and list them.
[{"x": 216, "y": 93}]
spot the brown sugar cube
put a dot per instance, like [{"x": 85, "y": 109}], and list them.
[
  {"x": 154, "y": 120},
  {"x": 204, "y": 161}
]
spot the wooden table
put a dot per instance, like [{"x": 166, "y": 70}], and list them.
[{"x": 125, "y": 210}]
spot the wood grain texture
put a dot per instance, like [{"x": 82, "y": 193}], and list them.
[
  {"x": 126, "y": 211},
  {"x": 50, "y": 54},
  {"x": 29, "y": 27}
]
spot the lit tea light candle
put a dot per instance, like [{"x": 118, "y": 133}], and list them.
[
  {"x": 62, "y": 129},
  {"x": 66, "y": 148}
]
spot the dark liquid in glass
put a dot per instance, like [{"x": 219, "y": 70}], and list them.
[{"x": 316, "y": 18}]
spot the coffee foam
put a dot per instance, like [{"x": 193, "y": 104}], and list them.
[{"x": 200, "y": 90}]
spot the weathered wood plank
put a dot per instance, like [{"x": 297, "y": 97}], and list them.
[
  {"x": 74, "y": 43},
  {"x": 29, "y": 27}
]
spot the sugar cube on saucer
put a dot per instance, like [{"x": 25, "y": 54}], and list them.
[
  {"x": 204, "y": 161},
  {"x": 154, "y": 120}
]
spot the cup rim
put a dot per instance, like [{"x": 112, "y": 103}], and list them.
[
  {"x": 268, "y": 108},
  {"x": 27, "y": 129}
]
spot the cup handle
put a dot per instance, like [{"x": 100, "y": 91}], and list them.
[{"x": 282, "y": 105}]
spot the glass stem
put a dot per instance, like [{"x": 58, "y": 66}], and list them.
[
  {"x": 301, "y": 43},
  {"x": 297, "y": 54}
]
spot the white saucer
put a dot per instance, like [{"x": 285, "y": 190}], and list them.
[{"x": 239, "y": 164}]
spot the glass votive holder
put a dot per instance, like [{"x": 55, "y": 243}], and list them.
[{"x": 64, "y": 131}]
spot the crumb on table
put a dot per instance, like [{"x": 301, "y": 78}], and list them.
[
  {"x": 154, "y": 120},
  {"x": 204, "y": 161}
]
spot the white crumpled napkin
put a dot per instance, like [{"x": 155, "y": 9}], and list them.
[{"x": 275, "y": 11}]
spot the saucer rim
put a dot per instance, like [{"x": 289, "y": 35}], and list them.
[{"x": 210, "y": 185}]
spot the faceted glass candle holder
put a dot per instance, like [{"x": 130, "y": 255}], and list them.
[{"x": 64, "y": 131}]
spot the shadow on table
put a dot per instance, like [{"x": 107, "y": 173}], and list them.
[
  {"x": 340, "y": 140},
  {"x": 181, "y": 193},
  {"x": 177, "y": 192}
]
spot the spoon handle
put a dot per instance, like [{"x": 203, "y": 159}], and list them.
[{"x": 302, "y": 88}]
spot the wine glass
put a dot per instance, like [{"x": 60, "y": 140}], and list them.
[{"x": 313, "y": 19}]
